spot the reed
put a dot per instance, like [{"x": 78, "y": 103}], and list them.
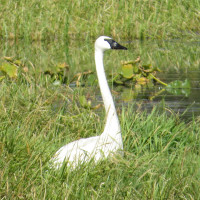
[
  {"x": 50, "y": 20},
  {"x": 161, "y": 152},
  {"x": 161, "y": 158}
]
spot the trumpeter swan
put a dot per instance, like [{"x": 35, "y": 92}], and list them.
[{"x": 97, "y": 147}]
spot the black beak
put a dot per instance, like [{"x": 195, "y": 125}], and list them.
[{"x": 115, "y": 45}]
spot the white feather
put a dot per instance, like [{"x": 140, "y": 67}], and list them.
[{"x": 110, "y": 141}]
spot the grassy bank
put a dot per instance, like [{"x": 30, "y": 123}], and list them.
[
  {"x": 161, "y": 152},
  {"x": 50, "y": 20}
]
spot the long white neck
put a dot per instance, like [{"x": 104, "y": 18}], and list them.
[{"x": 112, "y": 126}]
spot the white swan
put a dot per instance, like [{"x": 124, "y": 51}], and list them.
[{"x": 97, "y": 147}]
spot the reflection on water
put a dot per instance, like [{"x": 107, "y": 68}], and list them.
[{"x": 178, "y": 60}]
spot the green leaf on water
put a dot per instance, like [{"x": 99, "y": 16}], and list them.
[
  {"x": 127, "y": 71},
  {"x": 179, "y": 91},
  {"x": 142, "y": 81},
  {"x": 186, "y": 84},
  {"x": 179, "y": 84},
  {"x": 9, "y": 69},
  {"x": 179, "y": 87}
]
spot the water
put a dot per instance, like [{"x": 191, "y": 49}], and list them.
[
  {"x": 178, "y": 60},
  {"x": 186, "y": 103}
]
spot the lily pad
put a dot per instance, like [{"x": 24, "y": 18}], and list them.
[
  {"x": 9, "y": 69},
  {"x": 142, "y": 80},
  {"x": 179, "y": 87},
  {"x": 179, "y": 84},
  {"x": 127, "y": 71}
]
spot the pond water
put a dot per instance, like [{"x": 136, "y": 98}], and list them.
[
  {"x": 178, "y": 60},
  {"x": 186, "y": 103}
]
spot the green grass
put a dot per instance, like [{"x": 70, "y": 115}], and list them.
[
  {"x": 161, "y": 152},
  {"x": 161, "y": 158},
  {"x": 50, "y": 20},
  {"x": 173, "y": 56}
]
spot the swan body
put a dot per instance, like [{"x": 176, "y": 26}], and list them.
[{"x": 110, "y": 141}]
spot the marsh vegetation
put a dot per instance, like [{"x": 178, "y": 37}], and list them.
[{"x": 39, "y": 114}]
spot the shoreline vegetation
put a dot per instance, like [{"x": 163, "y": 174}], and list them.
[
  {"x": 50, "y": 20},
  {"x": 161, "y": 152}
]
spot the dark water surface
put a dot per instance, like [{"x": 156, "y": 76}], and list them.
[
  {"x": 187, "y": 104},
  {"x": 178, "y": 60}
]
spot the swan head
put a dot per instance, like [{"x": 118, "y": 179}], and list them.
[{"x": 104, "y": 43}]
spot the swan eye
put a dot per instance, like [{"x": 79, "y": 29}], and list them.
[
  {"x": 114, "y": 44},
  {"x": 111, "y": 42}
]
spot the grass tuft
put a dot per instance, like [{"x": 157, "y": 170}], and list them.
[
  {"x": 161, "y": 158},
  {"x": 50, "y": 20}
]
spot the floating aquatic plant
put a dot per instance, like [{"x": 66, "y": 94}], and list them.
[
  {"x": 133, "y": 75},
  {"x": 134, "y": 72},
  {"x": 141, "y": 76},
  {"x": 59, "y": 74},
  {"x": 179, "y": 87},
  {"x": 10, "y": 67}
]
